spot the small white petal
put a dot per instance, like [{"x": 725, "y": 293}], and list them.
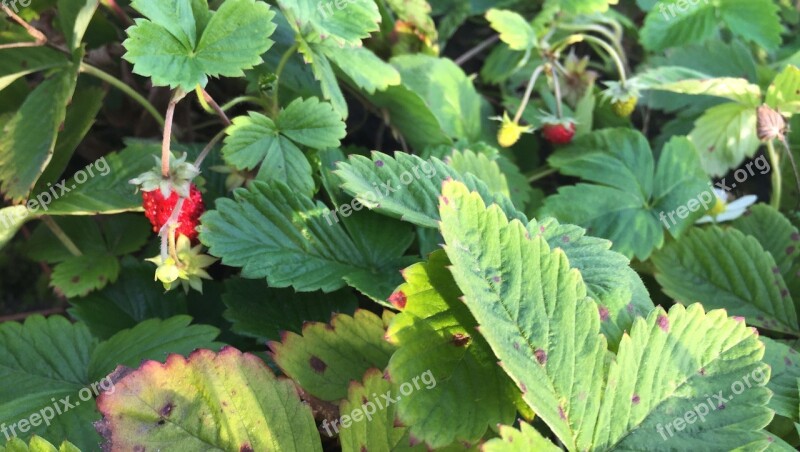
[{"x": 742, "y": 203}]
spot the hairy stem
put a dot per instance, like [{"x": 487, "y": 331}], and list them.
[
  {"x": 215, "y": 107},
  {"x": 120, "y": 85},
  {"x": 40, "y": 38}
]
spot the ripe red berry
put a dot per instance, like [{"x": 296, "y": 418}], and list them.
[
  {"x": 559, "y": 133},
  {"x": 158, "y": 210}
]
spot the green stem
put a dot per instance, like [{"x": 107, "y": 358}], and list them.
[
  {"x": 528, "y": 93},
  {"x": 774, "y": 159},
  {"x": 557, "y": 86},
  {"x": 541, "y": 174},
  {"x": 281, "y": 65},
  {"x": 61, "y": 236},
  {"x": 242, "y": 99},
  {"x": 597, "y": 29},
  {"x": 120, "y": 85},
  {"x": 576, "y": 38}
]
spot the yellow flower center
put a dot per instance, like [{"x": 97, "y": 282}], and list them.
[{"x": 718, "y": 208}]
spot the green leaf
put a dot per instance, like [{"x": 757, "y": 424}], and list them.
[
  {"x": 274, "y": 232},
  {"x": 37, "y": 444},
  {"x": 311, "y": 123},
  {"x": 482, "y": 167},
  {"x": 326, "y": 358},
  {"x": 29, "y": 138},
  {"x": 727, "y": 269},
  {"x": 753, "y": 20},
  {"x": 344, "y": 23},
  {"x": 406, "y": 186},
  {"x": 677, "y": 22},
  {"x": 262, "y": 312},
  {"x": 784, "y": 93},
  {"x": 150, "y": 339},
  {"x": 245, "y": 406},
  {"x": 74, "y": 17},
  {"x": 11, "y": 220},
  {"x": 363, "y": 67},
  {"x": 576, "y": 7},
  {"x": 135, "y": 297},
  {"x": 82, "y": 274},
  {"x": 514, "y": 29},
  {"x": 545, "y": 331},
  {"x": 43, "y": 359},
  {"x": 635, "y": 196},
  {"x": 525, "y": 439},
  {"x": 323, "y": 72},
  {"x": 784, "y": 363},
  {"x": 724, "y": 136},
  {"x": 254, "y": 140},
  {"x": 736, "y": 89},
  {"x": 19, "y": 62},
  {"x": 376, "y": 429},
  {"x": 774, "y": 232},
  {"x": 173, "y": 51},
  {"x": 435, "y": 333}
]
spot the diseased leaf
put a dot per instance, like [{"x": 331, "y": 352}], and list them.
[
  {"x": 784, "y": 93},
  {"x": 326, "y": 358},
  {"x": 82, "y": 274},
  {"x": 245, "y": 406}
]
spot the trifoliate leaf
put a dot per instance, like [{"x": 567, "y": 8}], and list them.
[
  {"x": 326, "y": 358},
  {"x": 175, "y": 46},
  {"x": 536, "y": 317},
  {"x": 635, "y": 199},
  {"x": 514, "y": 29},
  {"x": 245, "y": 407},
  {"x": 727, "y": 269},
  {"x": 435, "y": 333}
]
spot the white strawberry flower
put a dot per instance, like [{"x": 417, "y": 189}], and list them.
[{"x": 724, "y": 211}]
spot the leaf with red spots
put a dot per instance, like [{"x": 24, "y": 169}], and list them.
[
  {"x": 525, "y": 439},
  {"x": 590, "y": 398},
  {"x": 243, "y": 407},
  {"x": 785, "y": 364},
  {"x": 436, "y": 333},
  {"x": 326, "y": 358},
  {"x": 371, "y": 422},
  {"x": 724, "y": 268},
  {"x": 776, "y": 234}
]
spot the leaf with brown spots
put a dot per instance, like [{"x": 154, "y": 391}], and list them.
[{"x": 243, "y": 406}]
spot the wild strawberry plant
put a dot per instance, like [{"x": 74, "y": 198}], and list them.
[{"x": 361, "y": 225}]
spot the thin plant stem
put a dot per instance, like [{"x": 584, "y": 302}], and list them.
[
  {"x": 61, "y": 236},
  {"x": 281, "y": 65},
  {"x": 119, "y": 12},
  {"x": 601, "y": 30},
  {"x": 166, "y": 232},
  {"x": 557, "y": 86},
  {"x": 165, "y": 142},
  {"x": 469, "y": 54},
  {"x": 541, "y": 174},
  {"x": 777, "y": 181},
  {"x": 120, "y": 85},
  {"x": 215, "y": 106},
  {"x": 206, "y": 150},
  {"x": 791, "y": 161},
  {"x": 241, "y": 99},
  {"x": 614, "y": 55},
  {"x": 40, "y": 38},
  {"x": 528, "y": 92}
]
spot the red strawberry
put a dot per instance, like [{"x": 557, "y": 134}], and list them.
[
  {"x": 559, "y": 133},
  {"x": 158, "y": 210}
]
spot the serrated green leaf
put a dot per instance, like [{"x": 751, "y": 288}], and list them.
[
  {"x": 363, "y": 67},
  {"x": 344, "y": 23},
  {"x": 376, "y": 432},
  {"x": 480, "y": 166},
  {"x": 326, "y": 358},
  {"x": 254, "y": 140},
  {"x": 381, "y": 184},
  {"x": 74, "y": 17},
  {"x": 408, "y": 113},
  {"x": 151, "y": 339},
  {"x": 736, "y": 89},
  {"x": 80, "y": 275},
  {"x": 784, "y": 363},
  {"x": 671, "y": 25},
  {"x": 262, "y": 312},
  {"x": 37, "y": 444},
  {"x": 29, "y": 138},
  {"x": 311, "y": 123},
  {"x": 245, "y": 406},
  {"x": 530, "y": 304},
  {"x": 774, "y": 232},
  {"x": 635, "y": 195},
  {"x": 323, "y": 72},
  {"x": 724, "y": 136},
  {"x": 513, "y": 28},
  {"x": 19, "y": 62},
  {"x": 169, "y": 48},
  {"x": 754, "y": 20},
  {"x": 435, "y": 333},
  {"x": 784, "y": 93},
  {"x": 525, "y": 439},
  {"x": 727, "y": 269},
  {"x": 135, "y": 297},
  {"x": 274, "y": 232}
]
